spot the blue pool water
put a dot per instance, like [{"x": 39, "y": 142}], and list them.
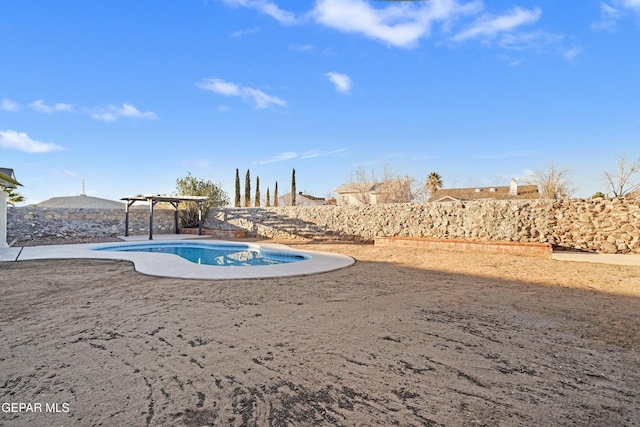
[{"x": 213, "y": 254}]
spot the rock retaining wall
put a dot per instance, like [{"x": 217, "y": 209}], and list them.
[
  {"x": 32, "y": 222},
  {"x": 608, "y": 226}
]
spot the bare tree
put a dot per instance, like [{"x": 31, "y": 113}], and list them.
[
  {"x": 620, "y": 181},
  {"x": 363, "y": 183},
  {"x": 553, "y": 183},
  {"x": 389, "y": 188},
  {"x": 394, "y": 188}
]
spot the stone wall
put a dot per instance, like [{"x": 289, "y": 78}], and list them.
[
  {"x": 609, "y": 226},
  {"x": 32, "y": 222},
  {"x": 596, "y": 225}
]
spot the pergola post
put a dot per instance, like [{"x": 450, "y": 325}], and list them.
[
  {"x": 199, "y": 218},
  {"x": 175, "y": 216},
  {"x": 152, "y": 204},
  {"x": 126, "y": 217}
]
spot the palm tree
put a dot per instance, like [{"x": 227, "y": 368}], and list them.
[
  {"x": 293, "y": 188},
  {"x": 434, "y": 182},
  {"x": 13, "y": 197}
]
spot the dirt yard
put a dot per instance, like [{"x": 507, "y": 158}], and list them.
[{"x": 404, "y": 337}]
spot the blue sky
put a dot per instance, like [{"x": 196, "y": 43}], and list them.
[{"x": 131, "y": 95}]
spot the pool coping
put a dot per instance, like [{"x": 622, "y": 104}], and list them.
[{"x": 169, "y": 265}]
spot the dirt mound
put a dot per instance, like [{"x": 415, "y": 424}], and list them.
[{"x": 80, "y": 202}]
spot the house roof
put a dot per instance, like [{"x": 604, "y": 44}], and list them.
[
  {"x": 300, "y": 196},
  {"x": 8, "y": 172},
  {"x": 635, "y": 195},
  {"x": 355, "y": 188},
  {"x": 478, "y": 193}
]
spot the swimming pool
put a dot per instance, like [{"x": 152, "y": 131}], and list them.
[
  {"x": 226, "y": 255},
  {"x": 170, "y": 265}
]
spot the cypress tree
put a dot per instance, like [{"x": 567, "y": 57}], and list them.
[
  {"x": 275, "y": 195},
  {"x": 268, "y": 199},
  {"x": 247, "y": 190},
  {"x": 293, "y": 188},
  {"x": 257, "y": 202},
  {"x": 237, "y": 201}
]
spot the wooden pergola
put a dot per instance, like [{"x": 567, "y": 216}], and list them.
[{"x": 152, "y": 199}]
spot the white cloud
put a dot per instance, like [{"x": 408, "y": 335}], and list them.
[
  {"x": 255, "y": 96},
  {"x": 112, "y": 113},
  {"x": 21, "y": 141},
  {"x": 266, "y": 7},
  {"x": 528, "y": 40},
  {"x": 632, "y": 4},
  {"x": 40, "y": 106},
  {"x": 342, "y": 82},
  {"x": 489, "y": 26},
  {"x": 404, "y": 23},
  {"x": 320, "y": 153},
  {"x": 128, "y": 110},
  {"x": 242, "y": 33},
  {"x": 9, "y": 105},
  {"x": 609, "y": 18},
  {"x": 301, "y": 47},
  {"x": 219, "y": 86},
  {"x": 289, "y": 155},
  {"x": 261, "y": 99},
  {"x": 398, "y": 25},
  {"x": 611, "y": 13},
  {"x": 571, "y": 53}
]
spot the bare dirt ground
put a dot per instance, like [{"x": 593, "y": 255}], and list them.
[{"x": 404, "y": 337}]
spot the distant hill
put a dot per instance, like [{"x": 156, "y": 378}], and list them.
[{"x": 79, "y": 202}]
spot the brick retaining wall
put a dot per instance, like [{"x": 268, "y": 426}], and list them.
[{"x": 467, "y": 245}]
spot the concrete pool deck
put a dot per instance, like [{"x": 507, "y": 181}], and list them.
[{"x": 168, "y": 265}]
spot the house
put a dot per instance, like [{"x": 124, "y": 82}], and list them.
[
  {"x": 301, "y": 200},
  {"x": 513, "y": 191},
  {"x": 634, "y": 195},
  {"x": 8, "y": 183},
  {"x": 390, "y": 191}
]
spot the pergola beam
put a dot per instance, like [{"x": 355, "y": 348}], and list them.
[{"x": 152, "y": 199}]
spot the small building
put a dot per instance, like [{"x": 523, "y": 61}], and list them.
[
  {"x": 510, "y": 192},
  {"x": 301, "y": 200}
]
